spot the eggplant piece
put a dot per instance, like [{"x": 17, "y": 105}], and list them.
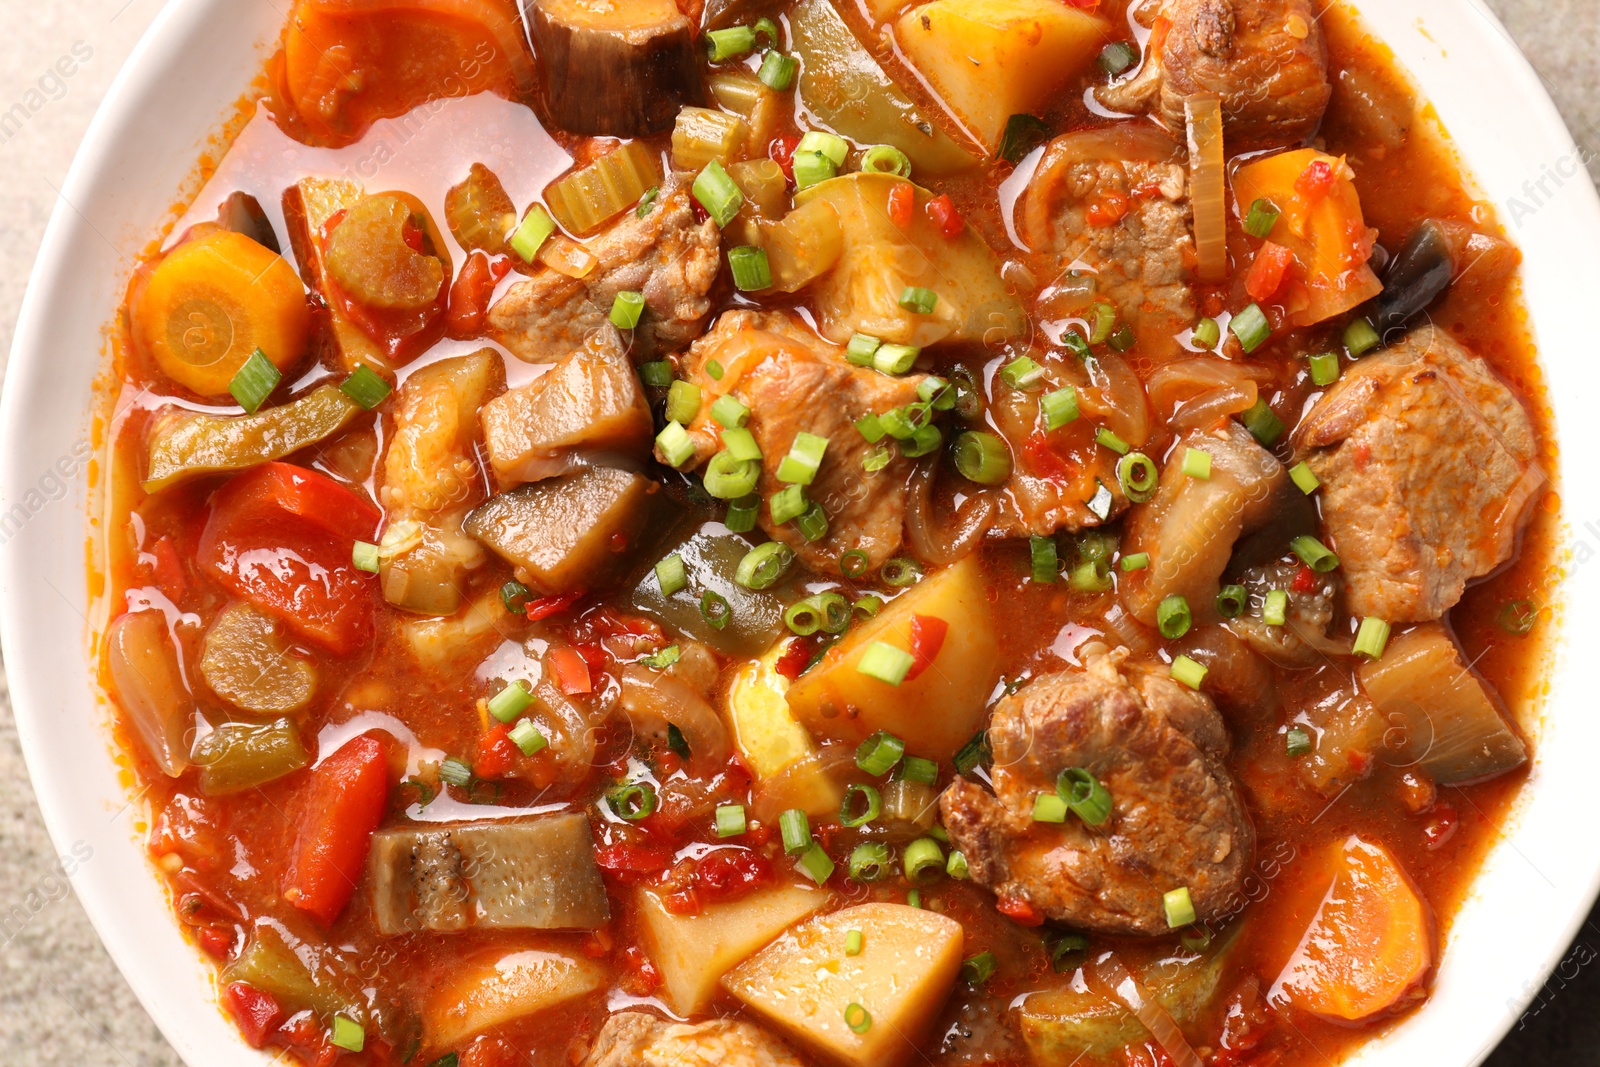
[
  {"x": 1417, "y": 277},
  {"x": 538, "y": 875},
  {"x": 611, "y": 69},
  {"x": 150, "y": 687},
  {"x": 242, "y": 214},
  {"x": 565, "y": 532},
  {"x": 711, "y": 556},
  {"x": 589, "y": 402},
  {"x": 241, "y": 755},
  {"x": 1449, "y": 725},
  {"x": 186, "y": 445},
  {"x": 247, "y": 661}
]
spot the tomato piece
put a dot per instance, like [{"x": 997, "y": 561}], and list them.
[
  {"x": 1316, "y": 181},
  {"x": 497, "y": 753},
  {"x": 470, "y": 295},
  {"x": 728, "y": 874},
  {"x": 1044, "y": 461},
  {"x": 942, "y": 210},
  {"x": 796, "y": 655},
  {"x": 781, "y": 152},
  {"x": 216, "y": 941},
  {"x": 902, "y": 199},
  {"x": 630, "y": 864},
  {"x": 642, "y": 977},
  {"x": 280, "y": 536},
  {"x": 342, "y": 806},
  {"x": 545, "y": 606},
  {"x": 1305, "y": 580},
  {"x": 1268, "y": 272},
  {"x": 571, "y": 671},
  {"x": 255, "y": 1012},
  {"x": 1110, "y": 209},
  {"x": 927, "y": 638},
  {"x": 1020, "y": 911}
]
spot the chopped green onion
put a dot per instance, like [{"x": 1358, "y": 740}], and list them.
[
  {"x": 676, "y": 742},
  {"x": 1060, "y": 407},
  {"x": 1117, "y": 57},
  {"x": 1232, "y": 601},
  {"x": 1206, "y": 334},
  {"x": 877, "y": 459},
  {"x": 836, "y": 611},
  {"x": 1104, "y": 322},
  {"x": 1197, "y": 464},
  {"x": 532, "y": 232},
  {"x": 815, "y": 865},
  {"x": 854, "y": 563},
  {"x": 731, "y": 43},
  {"x": 870, "y": 427},
  {"x": 647, "y": 201},
  {"x": 729, "y": 411},
  {"x": 857, "y": 1018},
  {"x": 796, "y": 830},
  {"x": 1173, "y": 618},
  {"x": 917, "y": 769},
  {"x": 765, "y": 27},
  {"x": 812, "y": 168},
  {"x": 1062, "y": 948},
  {"x": 979, "y": 969},
  {"x": 1110, "y": 440},
  {"x": 1195, "y": 939},
  {"x": 869, "y": 861},
  {"x": 727, "y": 478},
  {"x": 657, "y": 373},
  {"x": 1138, "y": 476},
  {"x": 914, "y": 899},
  {"x": 803, "y": 617},
  {"x": 886, "y": 159},
  {"x": 895, "y": 359},
  {"x": 1297, "y": 742},
  {"x": 1263, "y": 423},
  {"x": 884, "y": 662},
  {"x": 1324, "y": 369},
  {"x": 740, "y": 443},
  {"x": 918, "y": 301},
  {"x": 1250, "y": 326},
  {"x": 1077, "y": 344},
  {"x": 868, "y": 605},
  {"x": 901, "y": 571},
  {"x": 1304, "y": 478},
  {"x": 1179, "y": 908},
  {"x": 861, "y": 349},
  {"x": 973, "y": 753},
  {"x": 364, "y": 557},
  {"x": 1124, "y": 339},
  {"x": 871, "y": 809},
  {"x": 800, "y": 466},
  {"x": 924, "y": 442},
  {"x": 750, "y": 268},
  {"x": 879, "y": 753},
  {"x": 982, "y": 457},
  {"x": 955, "y": 865},
  {"x": 675, "y": 444},
  {"x": 510, "y": 702},
  {"x": 731, "y": 821},
  {"x": 255, "y": 381},
  {"x": 921, "y": 857},
  {"x": 683, "y": 402},
  {"x": 715, "y": 610},
  {"x": 1372, "y": 638},
  {"x": 1262, "y": 218},
  {"x": 852, "y": 941},
  {"x": 813, "y": 522},
  {"x": 1022, "y": 134},
  {"x": 788, "y": 503},
  {"x": 1275, "y": 609},
  {"x": 1517, "y": 618},
  {"x": 1136, "y": 562},
  {"x": 1188, "y": 672},
  {"x": 833, "y": 146},
  {"x": 1314, "y": 553},
  {"x": 1360, "y": 337},
  {"x": 777, "y": 70},
  {"x": 514, "y": 595},
  {"x": 717, "y": 193},
  {"x": 632, "y": 800},
  {"x": 365, "y": 387},
  {"x": 1085, "y": 795},
  {"x": 663, "y": 659},
  {"x": 1044, "y": 560},
  {"x": 626, "y": 309},
  {"x": 455, "y": 772},
  {"x": 527, "y": 737},
  {"x": 764, "y": 565},
  {"x": 1021, "y": 373},
  {"x": 1048, "y": 807},
  {"x": 742, "y": 514},
  {"x": 348, "y": 1034},
  {"x": 902, "y": 423}
]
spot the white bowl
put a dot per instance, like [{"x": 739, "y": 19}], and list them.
[{"x": 201, "y": 55}]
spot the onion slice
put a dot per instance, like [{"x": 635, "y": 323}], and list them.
[
  {"x": 1207, "y": 186},
  {"x": 1125, "y": 988}
]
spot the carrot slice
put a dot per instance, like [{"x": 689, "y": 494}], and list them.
[{"x": 1369, "y": 946}]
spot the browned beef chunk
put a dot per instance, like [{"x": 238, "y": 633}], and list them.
[
  {"x": 634, "y": 1039},
  {"x": 793, "y": 380},
  {"x": 1427, "y": 465},
  {"x": 1177, "y": 817},
  {"x": 666, "y": 255},
  {"x": 1265, "y": 59}
]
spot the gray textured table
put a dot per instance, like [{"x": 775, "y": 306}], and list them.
[{"x": 61, "y": 1001}]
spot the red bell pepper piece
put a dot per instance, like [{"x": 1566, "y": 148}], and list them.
[
  {"x": 902, "y": 199},
  {"x": 942, "y": 210},
  {"x": 342, "y": 806},
  {"x": 927, "y": 638},
  {"x": 256, "y": 1013},
  {"x": 280, "y": 536},
  {"x": 781, "y": 152},
  {"x": 1268, "y": 272},
  {"x": 571, "y": 671}
]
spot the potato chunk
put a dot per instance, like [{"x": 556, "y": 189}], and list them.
[
  {"x": 693, "y": 952},
  {"x": 803, "y": 982},
  {"x": 494, "y": 988}
]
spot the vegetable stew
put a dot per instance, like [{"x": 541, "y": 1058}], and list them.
[{"x": 804, "y": 532}]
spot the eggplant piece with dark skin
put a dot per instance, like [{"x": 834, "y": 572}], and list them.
[
  {"x": 614, "y": 69},
  {"x": 242, "y": 214},
  {"x": 1417, "y": 277}
]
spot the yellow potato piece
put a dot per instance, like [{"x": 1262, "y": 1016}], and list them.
[
  {"x": 938, "y": 711},
  {"x": 768, "y": 737},
  {"x": 991, "y": 59},
  {"x": 803, "y": 983},
  {"x": 493, "y": 989},
  {"x": 693, "y": 952}
]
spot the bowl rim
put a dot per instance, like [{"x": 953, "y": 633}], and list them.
[{"x": 36, "y": 689}]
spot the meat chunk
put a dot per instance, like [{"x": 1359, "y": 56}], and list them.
[
  {"x": 1427, "y": 466},
  {"x": 667, "y": 256},
  {"x": 1265, "y": 59},
  {"x": 793, "y": 381},
  {"x": 634, "y": 1039},
  {"x": 1177, "y": 818},
  {"x": 1116, "y": 201},
  {"x": 590, "y": 402}
]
